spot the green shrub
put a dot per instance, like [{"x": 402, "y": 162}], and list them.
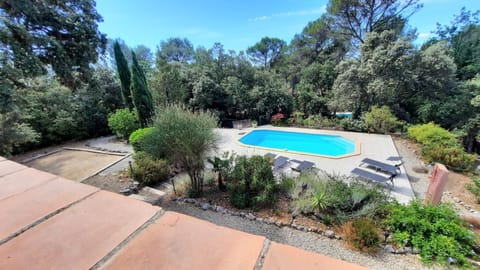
[
  {"x": 334, "y": 199},
  {"x": 435, "y": 230},
  {"x": 183, "y": 138},
  {"x": 123, "y": 122},
  {"x": 427, "y": 134},
  {"x": 350, "y": 124},
  {"x": 440, "y": 145},
  {"x": 381, "y": 120},
  {"x": 454, "y": 157},
  {"x": 363, "y": 234},
  {"x": 148, "y": 171},
  {"x": 252, "y": 183},
  {"x": 474, "y": 187},
  {"x": 136, "y": 139}
]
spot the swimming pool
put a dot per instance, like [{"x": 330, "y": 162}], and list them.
[{"x": 302, "y": 143}]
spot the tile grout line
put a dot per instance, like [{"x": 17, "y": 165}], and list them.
[
  {"x": 107, "y": 258},
  {"x": 32, "y": 187},
  {"x": 263, "y": 253},
  {"x": 44, "y": 218},
  {"x": 26, "y": 167}
]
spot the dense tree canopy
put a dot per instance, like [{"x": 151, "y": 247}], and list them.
[
  {"x": 61, "y": 34},
  {"x": 266, "y": 51}
]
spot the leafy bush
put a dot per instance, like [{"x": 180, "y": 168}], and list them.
[
  {"x": 452, "y": 156},
  {"x": 333, "y": 199},
  {"x": 148, "y": 171},
  {"x": 313, "y": 121},
  {"x": 381, "y": 120},
  {"x": 223, "y": 166},
  {"x": 136, "y": 139},
  {"x": 252, "y": 182},
  {"x": 123, "y": 122},
  {"x": 350, "y": 124},
  {"x": 427, "y": 134},
  {"x": 439, "y": 145},
  {"x": 363, "y": 234},
  {"x": 474, "y": 187},
  {"x": 435, "y": 230},
  {"x": 185, "y": 139}
]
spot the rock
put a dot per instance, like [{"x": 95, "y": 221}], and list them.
[
  {"x": 401, "y": 250},
  {"x": 415, "y": 251},
  {"x": 278, "y": 223},
  {"x": 250, "y": 216},
  {"x": 389, "y": 249},
  {"x": 259, "y": 219},
  {"x": 205, "y": 206},
  {"x": 220, "y": 209},
  {"x": 329, "y": 234},
  {"x": 420, "y": 169}
]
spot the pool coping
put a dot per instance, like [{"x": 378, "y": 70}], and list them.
[{"x": 356, "y": 152}]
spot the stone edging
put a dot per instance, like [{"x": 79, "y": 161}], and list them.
[{"x": 272, "y": 221}]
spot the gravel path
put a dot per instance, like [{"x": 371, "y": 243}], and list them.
[{"x": 304, "y": 240}]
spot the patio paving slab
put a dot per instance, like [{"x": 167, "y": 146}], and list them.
[
  {"x": 8, "y": 167},
  {"x": 78, "y": 237},
  {"x": 178, "y": 241},
  {"x": 25, "y": 209},
  {"x": 281, "y": 257},
  {"x": 22, "y": 180}
]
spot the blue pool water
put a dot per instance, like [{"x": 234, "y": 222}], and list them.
[
  {"x": 344, "y": 114},
  {"x": 318, "y": 144}
]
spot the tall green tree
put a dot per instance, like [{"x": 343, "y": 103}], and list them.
[
  {"x": 142, "y": 98},
  {"x": 62, "y": 35},
  {"x": 176, "y": 50},
  {"x": 357, "y": 18},
  {"x": 266, "y": 51},
  {"x": 124, "y": 74}
]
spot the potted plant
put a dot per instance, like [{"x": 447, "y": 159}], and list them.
[{"x": 254, "y": 123}]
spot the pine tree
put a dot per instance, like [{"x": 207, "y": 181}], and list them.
[
  {"x": 124, "y": 74},
  {"x": 142, "y": 98}
]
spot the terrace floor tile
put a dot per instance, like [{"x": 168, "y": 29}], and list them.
[
  {"x": 178, "y": 241},
  {"x": 281, "y": 257},
  {"x": 22, "y": 180},
  {"x": 78, "y": 237},
  {"x": 24, "y": 209},
  {"x": 8, "y": 167}
]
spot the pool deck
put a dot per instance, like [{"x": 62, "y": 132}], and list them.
[{"x": 374, "y": 146}]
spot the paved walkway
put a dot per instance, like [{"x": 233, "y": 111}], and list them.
[
  {"x": 373, "y": 146},
  {"x": 52, "y": 223}
]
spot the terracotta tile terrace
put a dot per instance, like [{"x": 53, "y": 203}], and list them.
[{"x": 48, "y": 222}]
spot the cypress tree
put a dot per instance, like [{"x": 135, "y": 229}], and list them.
[
  {"x": 124, "y": 74},
  {"x": 142, "y": 98}
]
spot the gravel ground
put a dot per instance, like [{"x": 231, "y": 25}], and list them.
[
  {"x": 418, "y": 181},
  {"x": 304, "y": 240}
]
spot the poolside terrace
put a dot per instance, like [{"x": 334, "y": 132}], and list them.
[{"x": 374, "y": 146}]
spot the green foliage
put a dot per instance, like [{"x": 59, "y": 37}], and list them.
[
  {"x": 363, "y": 234},
  {"x": 431, "y": 134},
  {"x": 148, "y": 171},
  {"x": 223, "y": 166},
  {"x": 333, "y": 199},
  {"x": 435, "y": 230},
  {"x": 136, "y": 138},
  {"x": 142, "y": 98},
  {"x": 353, "y": 125},
  {"x": 439, "y": 145},
  {"x": 474, "y": 187},
  {"x": 267, "y": 51},
  {"x": 61, "y": 35},
  {"x": 124, "y": 74},
  {"x": 123, "y": 122},
  {"x": 184, "y": 138},
  {"x": 14, "y": 134},
  {"x": 252, "y": 183},
  {"x": 381, "y": 120}
]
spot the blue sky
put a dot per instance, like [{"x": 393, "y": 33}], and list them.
[{"x": 237, "y": 24}]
